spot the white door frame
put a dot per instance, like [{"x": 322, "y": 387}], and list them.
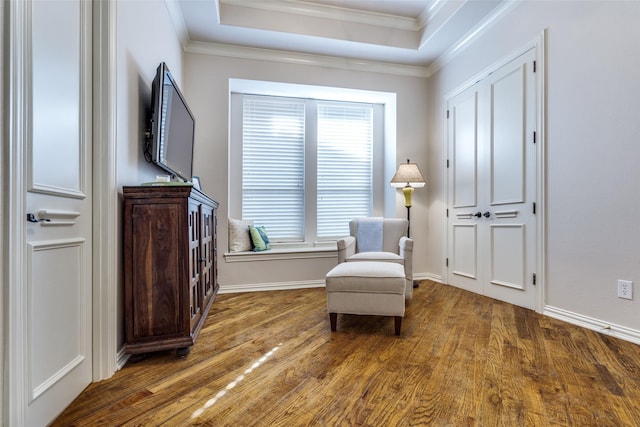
[
  {"x": 539, "y": 44},
  {"x": 13, "y": 402},
  {"x": 3, "y": 134},
  {"x": 105, "y": 193}
]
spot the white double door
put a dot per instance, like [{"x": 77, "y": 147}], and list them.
[{"x": 492, "y": 191}]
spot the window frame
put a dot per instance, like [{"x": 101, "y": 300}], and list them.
[{"x": 384, "y": 158}]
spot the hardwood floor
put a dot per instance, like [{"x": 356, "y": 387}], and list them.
[{"x": 270, "y": 359}]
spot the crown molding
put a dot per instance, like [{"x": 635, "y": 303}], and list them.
[
  {"x": 242, "y": 52},
  {"x": 178, "y": 21},
  {"x": 295, "y": 58},
  {"x": 465, "y": 41},
  {"x": 334, "y": 13}
]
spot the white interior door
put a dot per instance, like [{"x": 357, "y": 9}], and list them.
[
  {"x": 57, "y": 303},
  {"x": 492, "y": 185},
  {"x": 464, "y": 185},
  {"x": 509, "y": 188}
]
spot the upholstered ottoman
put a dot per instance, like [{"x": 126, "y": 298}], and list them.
[{"x": 367, "y": 288}]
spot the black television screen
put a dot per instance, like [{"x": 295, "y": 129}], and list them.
[{"x": 172, "y": 127}]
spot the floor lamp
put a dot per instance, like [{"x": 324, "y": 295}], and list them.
[{"x": 408, "y": 177}]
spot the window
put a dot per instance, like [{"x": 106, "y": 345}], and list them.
[
  {"x": 273, "y": 166},
  {"x": 304, "y": 167},
  {"x": 344, "y": 178}
]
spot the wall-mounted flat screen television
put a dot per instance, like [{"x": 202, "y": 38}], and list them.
[{"x": 170, "y": 144}]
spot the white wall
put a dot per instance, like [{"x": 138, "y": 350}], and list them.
[
  {"x": 207, "y": 92},
  {"x": 145, "y": 37},
  {"x": 592, "y": 148}
]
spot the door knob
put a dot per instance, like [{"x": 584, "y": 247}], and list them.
[
  {"x": 477, "y": 214},
  {"x": 487, "y": 214}
]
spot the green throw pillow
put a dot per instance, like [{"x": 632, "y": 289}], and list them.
[{"x": 259, "y": 238}]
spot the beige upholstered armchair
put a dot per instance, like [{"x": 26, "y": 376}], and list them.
[{"x": 379, "y": 239}]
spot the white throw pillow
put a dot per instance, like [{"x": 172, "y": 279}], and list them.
[{"x": 239, "y": 237}]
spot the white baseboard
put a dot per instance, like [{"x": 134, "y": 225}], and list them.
[
  {"x": 597, "y": 325},
  {"x": 281, "y": 286},
  {"x": 121, "y": 358},
  {"x": 428, "y": 276}
]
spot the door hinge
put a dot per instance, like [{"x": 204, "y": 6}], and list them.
[
  {"x": 447, "y": 213},
  {"x": 446, "y": 262},
  {"x": 534, "y": 66},
  {"x": 534, "y": 136},
  {"x": 534, "y": 208},
  {"x": 447, "y": 163},
  {"x": 447, "y": 114},
  {"x": 534, "y": 279}
]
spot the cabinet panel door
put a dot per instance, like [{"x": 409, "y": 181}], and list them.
[
  {"x": 156, "y": 295},
  {"x": 208, "y": 251},
  {"x": 195, "y": 264}
]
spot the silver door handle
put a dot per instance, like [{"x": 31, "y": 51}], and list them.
[
  {"x": 53, "y": 217},
  {"x": 32, "y": 218}
]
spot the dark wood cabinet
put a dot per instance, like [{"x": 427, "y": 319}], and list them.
[{"x": 170, "y": 266}]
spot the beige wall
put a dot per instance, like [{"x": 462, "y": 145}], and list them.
[
  {"x": 207, "y": 91},
  {"x": 592, "y": 130},
  {"x": 592, "y": 148},
  {"x": 145, "y": 37}
]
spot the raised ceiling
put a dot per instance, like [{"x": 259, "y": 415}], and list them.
[{"x": 413, "y": 33}]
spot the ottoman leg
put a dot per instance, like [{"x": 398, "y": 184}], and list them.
[
  {"x": 398, "y": 322},
  {"x": 333, "y": 318}
]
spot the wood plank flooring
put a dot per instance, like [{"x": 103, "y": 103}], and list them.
[{"x": 270, "y": 359}]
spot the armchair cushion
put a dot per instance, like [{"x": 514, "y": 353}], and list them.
[{"x": 376, "y": 256}]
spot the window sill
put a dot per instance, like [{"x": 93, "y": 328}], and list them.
[{"x": 283, "y": 253}]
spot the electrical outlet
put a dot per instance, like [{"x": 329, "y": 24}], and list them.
[{"x": 625, "y": 289}]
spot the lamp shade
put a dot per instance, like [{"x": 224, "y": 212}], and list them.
[{"x": 409, "y": 175}]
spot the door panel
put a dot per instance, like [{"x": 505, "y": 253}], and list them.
[
  {"x": 508, "y": 139},
  {"x": 56, "y": 53},
  {"x": 465, "y": 152},
  {"x": 504, "y": 243},
  {"x": 513, "y": 158},
  {"x": 465, "y": 258},
  {"x": 463, "y": 188},
  {"x": 507, "y": 244},
  {"x": 56, "y": 294}
]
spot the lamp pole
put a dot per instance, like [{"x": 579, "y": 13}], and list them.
[{"x": 407, "y": 190}]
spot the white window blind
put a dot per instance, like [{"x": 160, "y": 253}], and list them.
[
  {"x": 344, "y": 169},
  {"x": 304, "y": 167},
  {"x": 273, "y": 144}
]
